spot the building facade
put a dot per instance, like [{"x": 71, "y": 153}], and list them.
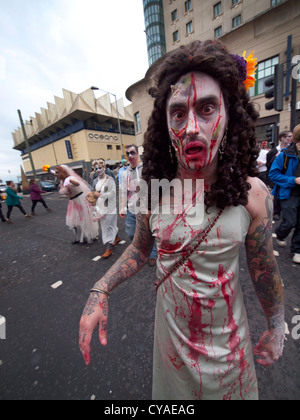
[
  {"x": 74, "y": 131},
  {"x": 155, "y": 29},
  {"x": 269, "y": 27}
]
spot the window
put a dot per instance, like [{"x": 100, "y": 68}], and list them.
[
  {"x": 237, "y": 21},
  {"x": 175, "y": 36},
  {"x": 138, "y": 122},
  {"x": 235, "y": 2},
  {"x": 109, "y": 147},
  {"x": 118, "y": 147},
  {"x": 218, "y": 32},
  {"x": 174, "y": 15},
  {"x": 217, "y": 9},
  {"x": 275, "y": 2},
  {"x": 265, "y": 69},
  {"x": 188, "y": 6},
  {"x": 189, "y": 28}
]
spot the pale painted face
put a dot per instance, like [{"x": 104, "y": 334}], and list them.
[{"x": 197, "y": 120}]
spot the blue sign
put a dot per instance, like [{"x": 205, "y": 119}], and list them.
[{"x": 69, "y": 149}]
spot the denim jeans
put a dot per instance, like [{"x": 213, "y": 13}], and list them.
[
  {"x": 290, "y": 220},
  {"x": 130, "y": 230}
]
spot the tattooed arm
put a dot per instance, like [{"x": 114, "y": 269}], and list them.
[
  {"x": 265, "y": 273},
  {"x": 96, "y": 310}
]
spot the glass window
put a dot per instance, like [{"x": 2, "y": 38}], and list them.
[
  {"x": 174, "y": 15},
  {"x": 187, "y": 6},
  {"x": 218, "y": 32},
  {"x": 236, "y": 21},
  {"x": 217, "y": 9},
  {"x": 138, "y": 121},
  {"x": 189, "y": 28},
  {"x": 265, "y": 69},
  {"x": 275, "y": 2},
  {"x": 175, "y": 36}
]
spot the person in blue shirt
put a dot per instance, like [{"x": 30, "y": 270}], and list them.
[{"x": 285, "y": 173}]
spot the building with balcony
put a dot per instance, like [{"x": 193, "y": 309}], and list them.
[
  {"x": 75, "y": 130},
  {"x": 269, "y": 27}
]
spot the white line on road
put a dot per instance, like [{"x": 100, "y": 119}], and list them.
[{"x": 57, "y": 284}]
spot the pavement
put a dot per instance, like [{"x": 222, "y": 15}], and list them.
[{"x": 44, "y": 285}]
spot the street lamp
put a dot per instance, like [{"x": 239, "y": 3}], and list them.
[
  {"x": 27, "y": 143},
  {"x": 119, "y": 124}
]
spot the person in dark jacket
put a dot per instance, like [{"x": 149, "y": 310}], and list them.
[
  {"x": 285, "y": 139},
  {"x": 36, "y": 196},
  {"x": 285, "y": 173},
  {"x": 1, "y": 214}
]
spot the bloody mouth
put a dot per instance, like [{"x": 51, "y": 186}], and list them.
[{"x": 194, "y": 149}]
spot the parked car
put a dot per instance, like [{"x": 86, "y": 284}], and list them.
[
  {"x": 48, "y": 186},
  {"x": 2, "y": 192}
]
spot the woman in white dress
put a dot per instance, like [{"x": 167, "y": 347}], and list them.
[{"x": 79, "y": 216}]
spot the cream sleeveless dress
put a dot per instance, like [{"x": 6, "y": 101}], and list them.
[{"x": 202, "y": 346}]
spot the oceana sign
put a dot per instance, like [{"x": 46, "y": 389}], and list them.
[{"x": 105, "y": 138}]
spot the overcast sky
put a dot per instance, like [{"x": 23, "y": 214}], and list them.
[{"x": 48, "y": 45}]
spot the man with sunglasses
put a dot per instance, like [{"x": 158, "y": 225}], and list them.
[{"x": 130, "y": 181}]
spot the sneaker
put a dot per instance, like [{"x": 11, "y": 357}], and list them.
[
  {"x": 27, "y": 216},
  {"x": 281, "y": 242},
  {"x": 296, "y": 258}
]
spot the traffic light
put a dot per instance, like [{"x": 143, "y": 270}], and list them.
[
  {"x": 270, "y": 136},
  {"x": 275, "y": 89}
]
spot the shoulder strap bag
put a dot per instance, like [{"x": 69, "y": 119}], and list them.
[{"x": 201, "y": 238}]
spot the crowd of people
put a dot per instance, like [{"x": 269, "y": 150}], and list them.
[
  {"x": 279, "y": 169},
  {"x": 203, "y": 126},
  {"x": 89, "y": 195}
]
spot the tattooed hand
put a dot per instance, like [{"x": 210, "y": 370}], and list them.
[
  {"x": 265, "y": 274},
  {"x": 95, "y": 314},
  {"x": 130, "y": 262},
  {"x": 270, "y": 347}
]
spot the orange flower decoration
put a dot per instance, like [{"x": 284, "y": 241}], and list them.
[
  {"x": 251, "y": 70},
  {"x": 46, "y": 168}
]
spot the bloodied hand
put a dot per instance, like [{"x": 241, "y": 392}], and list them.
[
  {"x": 94, "y": 315},
  {"x": 270, "y": 347}
]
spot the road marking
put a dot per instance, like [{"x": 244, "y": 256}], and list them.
[
  {"x": 57, "y": 284},
  {"x": 97, "y": 258}
]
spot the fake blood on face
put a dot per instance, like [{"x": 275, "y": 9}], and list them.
[{"x": 197, "y": 120}]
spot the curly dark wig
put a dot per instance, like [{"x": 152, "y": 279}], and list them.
[{"x": 241, "y": 151}]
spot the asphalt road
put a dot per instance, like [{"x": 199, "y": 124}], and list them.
[{"x": 40, "y": 359}]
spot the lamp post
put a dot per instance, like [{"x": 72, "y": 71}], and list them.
[
  {"x": 27, "y": 143},
  {"x": 119, "y": 123}
]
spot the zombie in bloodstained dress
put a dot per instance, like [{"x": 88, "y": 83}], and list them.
[
  {"x": 79, "y": 216},
  {"x": 202, "y": 343}
]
